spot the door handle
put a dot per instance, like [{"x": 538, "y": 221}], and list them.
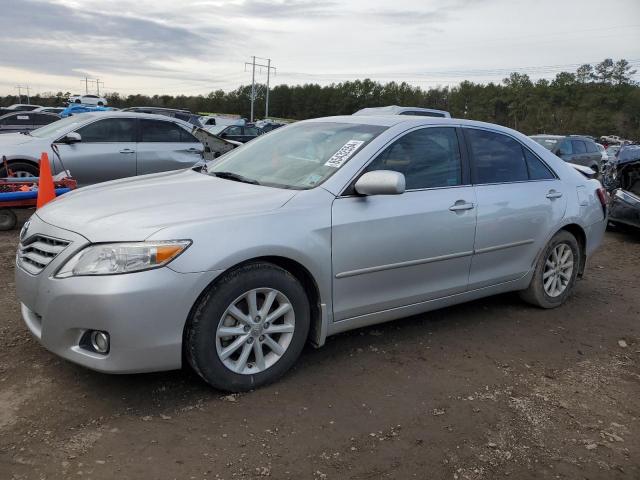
[
  {"x": 461, "y": 205},
  {"x": 553, "y": 194},
  {"x": 127, "y": 150},
  {"x": 193, "y": 150}
]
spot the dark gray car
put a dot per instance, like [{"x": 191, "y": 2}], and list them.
[
  {"x": 576, "y": 149},
  {"x": 25, "y": 121}
]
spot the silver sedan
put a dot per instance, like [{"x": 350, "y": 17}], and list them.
[
  {"x": 319, "y": 227},
  {"x": 100, "y": 146}
]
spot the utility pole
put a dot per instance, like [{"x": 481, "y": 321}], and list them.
[
  {"x": 253, "y": 81},
  {"x": 86, "y": 85},
  {"x": 20, "y": 87},
  {"x": 98, "y": 82}
]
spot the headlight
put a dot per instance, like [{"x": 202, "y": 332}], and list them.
[{"x": 114, "y": 258}]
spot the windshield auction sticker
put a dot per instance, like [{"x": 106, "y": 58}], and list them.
[{"x": 344, "y": 153}]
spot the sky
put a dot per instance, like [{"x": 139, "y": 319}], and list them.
[{"x": 197, "y": 46}]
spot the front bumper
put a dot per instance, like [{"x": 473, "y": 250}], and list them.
[{"x": 144, "y": 312}]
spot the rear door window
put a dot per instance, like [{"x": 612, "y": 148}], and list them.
[
  {"x": 578, "y": 146},
  {"x": 591, "y": 147},
  {"x": 156, "y": 131},
  {"x": 537, "y": 169},
  {"x": 497, "y": 158}
]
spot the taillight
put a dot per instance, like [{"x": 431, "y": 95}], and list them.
[{"x": 603, "y": 196}]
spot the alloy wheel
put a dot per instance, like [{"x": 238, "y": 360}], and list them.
[
  {"x": 255, "y": 331},
  {"x": 558, "y": 270}
]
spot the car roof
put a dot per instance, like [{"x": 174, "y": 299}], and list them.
[
  {"x": 120, "y": 114},
  {"x": 398, "y": 110},
  {"x": 392, "y": 120}
]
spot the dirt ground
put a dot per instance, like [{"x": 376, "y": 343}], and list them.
[{"x": 486, "y": 390}]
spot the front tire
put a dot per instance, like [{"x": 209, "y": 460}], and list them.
[
  {"x": 20, "y": 170},
  {"x": 249, "y": 328},
  {"x": 555, "y": 273}
]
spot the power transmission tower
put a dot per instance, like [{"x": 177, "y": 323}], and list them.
[
  {"x": 88, "y": 80},
  {"x": 20, "y": 87},
  {"x": 253, "y": 81}
]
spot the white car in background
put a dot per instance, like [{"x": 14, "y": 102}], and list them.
[
  {"x": 88, "y": 100},
  {"x": 603, "y": 152}
]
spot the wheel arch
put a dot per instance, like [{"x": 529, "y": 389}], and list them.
[
  {"x": 578, "y": 232},
  {"x": 318, "y": 327}
]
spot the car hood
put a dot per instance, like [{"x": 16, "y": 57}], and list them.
[
  {"x": 132, "y": 209},
  {"x": 9, "y": 139}
]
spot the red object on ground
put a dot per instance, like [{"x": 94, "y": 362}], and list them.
[{"x": 46, "y": 189}]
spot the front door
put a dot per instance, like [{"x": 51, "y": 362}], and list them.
[
  {"x": 107, "y": 151},
  {"x": 397, "y": 250}
]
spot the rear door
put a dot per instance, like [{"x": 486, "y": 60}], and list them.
[
  {"x": 107, "y": 151},
  {"x": 520, "y": 200},
  {"x": 164, "y": 145}
]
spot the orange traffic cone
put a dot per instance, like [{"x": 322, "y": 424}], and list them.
[{"x": 46, "y": 188}]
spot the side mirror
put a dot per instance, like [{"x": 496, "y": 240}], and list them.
[
  {"x": 70, "y": 138},
  {"x": 381, "y": 182}
]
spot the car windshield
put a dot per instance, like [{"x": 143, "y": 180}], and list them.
[
  {"x": 59, "y": 127},
  {"x": 300, "y": 156},
  {"x": 547, "y": 142}
]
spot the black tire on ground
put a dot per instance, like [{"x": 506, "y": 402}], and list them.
[
  {"x": 100, "y": 104},
  {"x": 8, "y": 219},
  {"x": 535, "y": 294},
  {"x": 77, "y": 100},
  {"x": 200, "y": 332},
  {"x": 19, "y": 167}
]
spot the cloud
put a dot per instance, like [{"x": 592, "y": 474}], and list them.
[
  {"x": 283, "y": 9},
  {"x": 57, "y": 39}
]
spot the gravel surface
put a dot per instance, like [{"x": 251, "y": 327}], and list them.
[{"x": 489, "y": 389}]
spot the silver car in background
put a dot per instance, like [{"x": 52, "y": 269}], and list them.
[
  {"x": 319, "y": 227},
  {"x": 101, "y": 146}
]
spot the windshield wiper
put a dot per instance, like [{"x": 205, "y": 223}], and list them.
[{"x": 235, "y": 177}]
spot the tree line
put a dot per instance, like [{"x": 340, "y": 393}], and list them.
[{"x": 594, "y": 100}]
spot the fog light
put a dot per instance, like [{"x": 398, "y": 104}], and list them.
[{"x": 100, "y": 341}]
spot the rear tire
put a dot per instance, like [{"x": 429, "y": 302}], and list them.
[
  {"x": 212, "y": 331},
  {"x": 554, "y": 276},
  {"x": 20, "y": 169}
]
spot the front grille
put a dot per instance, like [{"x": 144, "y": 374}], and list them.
[{"x": 38, "y": 251}]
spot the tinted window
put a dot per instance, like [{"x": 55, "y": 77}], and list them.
[
  {"x": 39, "y": 119},
  {"x": 497, "y": 158},
  {"x": 109, "y": 130},
  {"x": 423, "y": 114},
  {"x": 428, "y": 158},
  {"x": 578, "y": 146},
  {"x": 251, "y": 131},
  {"x": 20, "y": 119},
  {"x": 537, "y": 169},
  {"x": 565, "y": 148},
  {"x": 591, "y": 147},
  {"x": 234, "y": 131},
  {"x": 159, "y": 131}
]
